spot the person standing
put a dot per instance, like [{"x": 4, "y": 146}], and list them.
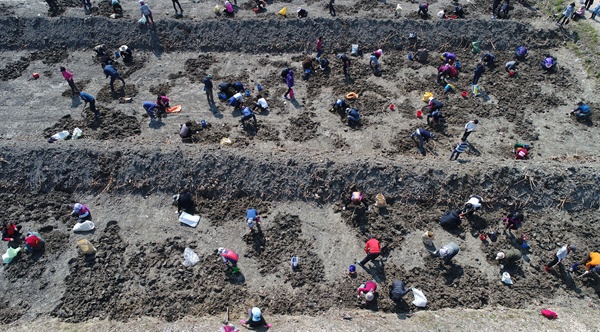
[
  {"x": 332, "y": 9},
  {"x": 372, "y": 249},
  {"x": 184, "y": 200},
  {"x": 495, "y": 8},
  {"x": 559, "y": 256},
  {"x": 147, "y": 13},
  {"x": 345, "y": 63},
  {"x": 69, "y": 78},
  {"x": 595, "y": 12},
  {"x": 469, "y": 128},
  {"x": 176, "y": 2},
  {"x": 208, "y": 89},
  {"x": 479, "y": 70},
  {"x": 111, "y": 71},
  {"x": 565, "y": 17},
  {"x": 289, "y": 81},
  {"x": 319, "y": 47},
  {"x": 460, "y": 148},
  {"x": 87, "y": 98},
  {"x": 588, "y": 4},
  {"x": 87, "y": 7}
]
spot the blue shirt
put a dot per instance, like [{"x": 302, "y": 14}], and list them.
[
  {"x": 86, "y": 97},
  {"x": 583, "y": 108},
  {"x": 109, "y": 70},
  {"x": 247, "y": 111},
  {"x": 424, "y": 133},
  {"x": 207, "y": 84},
  {"x": 149, "y": 106},
  {"x": 251, "y": 213},
  {"x": 354, "y": 113}
]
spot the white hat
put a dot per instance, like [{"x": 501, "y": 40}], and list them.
[
  {"x": 221, "y": 250},
  {"x": 256, "y": 314},
  {"x": 123, "y": 48},
  {"x": 500, "y": 256},
  {"x": 369, "y": 296}
]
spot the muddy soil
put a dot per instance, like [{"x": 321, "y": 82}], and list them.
[{"x": 110, "y": 124}]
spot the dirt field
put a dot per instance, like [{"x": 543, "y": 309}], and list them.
[{"x": 296, "y": 167}]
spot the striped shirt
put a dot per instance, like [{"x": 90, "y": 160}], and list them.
[{"x": 461, "y": 147}]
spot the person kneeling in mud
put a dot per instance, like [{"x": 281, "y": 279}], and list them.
[
  {"x": 81, "y": 212},
  {"x": 521, "y": 151},
  {"x": 34, "y": 242},
  {"x": 367, "y": 290},
  {"x": 186, "y": 132},
  {"x": 247, "y": 114},
  {"x": 261, "y": 104},
  {"x": 508, "y": 257},
  {"x": 397, "y": 291},
  {"x": 255, "y": 319},
  {"x": 447, "y": 252},
  {"x": 355, "y": 199},
  {"x": 184, "y": 201},
  {"x": 472, "y": 205},
  {"x": 339, "y": 106},
  {"x": 353, "y": 117}
]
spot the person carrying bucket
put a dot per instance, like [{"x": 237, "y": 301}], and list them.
[
  {"x": 229, "y": 257},
  {"x": 355, "y": 199}
]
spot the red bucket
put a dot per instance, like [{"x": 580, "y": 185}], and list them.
[
  {"x": 419, "y": 114},
  {"x": 392, "y": 107},
  {"x": 36, "y": 75},
  {"x": 464, "y": 94}
]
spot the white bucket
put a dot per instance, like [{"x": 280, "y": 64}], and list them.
[{"x": 188, "y": 219}]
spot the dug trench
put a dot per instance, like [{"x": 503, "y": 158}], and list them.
[{"x": 130, "y": 277}]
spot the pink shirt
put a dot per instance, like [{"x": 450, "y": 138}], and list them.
[
  {"x": 370, "y": 286},
  {"x": 319, "y": 44},
  {"x": 67, "y": 75}
]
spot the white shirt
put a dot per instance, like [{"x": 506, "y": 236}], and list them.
[
  {"x": 263, "y": 103},
  {"x": 470, "y": 126},
  {"x": 475, "y": 202},
  {"x": 562, "y": 253}
]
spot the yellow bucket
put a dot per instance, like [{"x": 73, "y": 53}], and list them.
[{"x": 426, "y": 96}]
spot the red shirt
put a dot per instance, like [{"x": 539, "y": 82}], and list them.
[
  {"x": 370, "y": 286},
  {"x": 319, "y": 44},
  {"x": 33, "y": 241},
  {"x": 372, "y": 247},
  {"x": 67, "y": 75}
]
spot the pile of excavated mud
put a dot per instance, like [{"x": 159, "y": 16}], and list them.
[{"x": 110, "y": 124}]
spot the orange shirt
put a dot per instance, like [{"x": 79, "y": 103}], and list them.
[{"x": 595, "y": 256}]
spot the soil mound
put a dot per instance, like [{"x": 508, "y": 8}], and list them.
[{"x": 110, "y": 124}]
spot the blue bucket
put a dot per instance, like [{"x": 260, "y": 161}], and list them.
[
  {"x": 247, "y": 93},
  {"x": 410, "y": 56},
  {"x": 457, "y": 65},
  {"x": 117, "y": 54},
  {"x": 259, "y": 87},
  {"x": 294, "y": 262},
  {"x": 203, "y": 123}
]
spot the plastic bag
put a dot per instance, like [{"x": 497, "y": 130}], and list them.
[
  {"x": 76, "y": 133},
  {"x": 190, "y": 258},
  {"x": 10, "y": 254},
  {"x": 426, "y": 96},
  {"x": 188, "y": 219},
  {"x": 354, "y": 49},
  {"x": 217, "y": 9},
  {"x": 506, "y": 278},
  {"x": 420, "y": 300},
  {"x": 86, "y": 247},
  {"x": 85, "y": 226}
]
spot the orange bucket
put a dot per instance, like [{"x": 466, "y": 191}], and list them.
[{"x": 419, "y": 114}]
